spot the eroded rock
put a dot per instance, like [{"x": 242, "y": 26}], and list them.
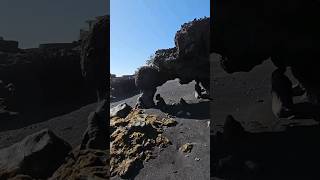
[
  {"x": 84, "y": 164},
  {"x": 187, "y": 61},
  {"x": 96, "y": 134}
]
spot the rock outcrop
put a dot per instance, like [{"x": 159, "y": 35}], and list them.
[
  {"x": 84, "y": 164},
  {"x": 245, "y": 38},
  {"x": 96, "y": 135},
  {"x": 95, "y": 55},
  {"x": 188, "y": 61},
  {"x": 91, "y": 159},
  {"x": 37, "y": 156},
  {"x": 122, "y": 87},
  {"x": 40, "y": 79}
]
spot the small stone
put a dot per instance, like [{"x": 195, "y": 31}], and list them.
[
  {"x": 197, "y": 159},
  {"x": 186, "y": 148},
  {"x": 169, "y": 122}
]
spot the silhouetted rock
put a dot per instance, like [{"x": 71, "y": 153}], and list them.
[
  {"x": 96, "y": 134},
  {"x": 232, "y": 130},
  {"x": 95, "y": 54},
  {"x": 188, "y": 61},
  {"x": 282, "y": 102},
  {"x": 256, "y": 38},
  {"x": 37, "y": 79},
  {"x": 38, "y": 156},
  {"x": 160, "y": 103}
]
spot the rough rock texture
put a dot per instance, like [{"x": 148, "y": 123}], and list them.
[
  {"x": 97, "y": 133},
  {"x": 250, "y": 32},
  {"x": 84, "y": 164},
  {"x": 95, "y": 55},
  {"x": 122, "y": 87},
  {"x": 38, "y": 156},
  {"x": 188, "y": 61},
  {"x": 121, "y": 110},
  {"x": 90, "y": 160},
  {"x": 132, "y": 140}
]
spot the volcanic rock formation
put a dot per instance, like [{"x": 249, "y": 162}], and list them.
[
  {"x": 188, "y": 61},
  {"x": 95, "y": 54},
  {"x": 122, "y": 87},
  {"x": 246, "y": 34}
]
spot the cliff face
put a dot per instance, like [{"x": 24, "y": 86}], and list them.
[
  {"x": 95, "y": 55},
  {"x": 122, "y": 87},
  {"x": 42, "y": 79}
]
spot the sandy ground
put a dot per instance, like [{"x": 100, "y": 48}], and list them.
[
  {"x": 247, "y": 96},
  {"x": 70, "y": 127},
  {"x": 170, "y": 163},
  {"x": 278, "y": 148}
]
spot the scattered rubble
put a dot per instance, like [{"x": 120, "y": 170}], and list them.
[{"x": 132, "y": 140}]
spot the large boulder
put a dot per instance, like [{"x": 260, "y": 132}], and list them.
[{"x": 37, "y": 156}]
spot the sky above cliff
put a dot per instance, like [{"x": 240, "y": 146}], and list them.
[
  {"x": 32, "y": 22},
  {"x": 140, "y": 27}
]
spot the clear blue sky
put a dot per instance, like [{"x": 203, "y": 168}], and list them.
[
  {"x": 43, "y": 21},
  {"x": 140, "y": 27}
]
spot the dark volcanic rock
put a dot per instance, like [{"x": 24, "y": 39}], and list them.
[
  {"x": 257, "y": 37},
  {"x": 121, "y": 110},
  {"x": 84, "y": 164},
  {"x": 188, "y": 61},
  {"x": 40, "y": 80},
  {"x": 95, "y": 54},
  {"x": 122, "y": 87},
  {"x": 38, "y": 156},
  {"x": 232, "y": 130},
  {"x": 96, "y": 134}
]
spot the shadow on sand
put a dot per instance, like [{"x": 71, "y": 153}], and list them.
[
  {"x": 199, "y": 110},
  {"x": 291, "y": 154},
  {"x": 35, "y": 113}
]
